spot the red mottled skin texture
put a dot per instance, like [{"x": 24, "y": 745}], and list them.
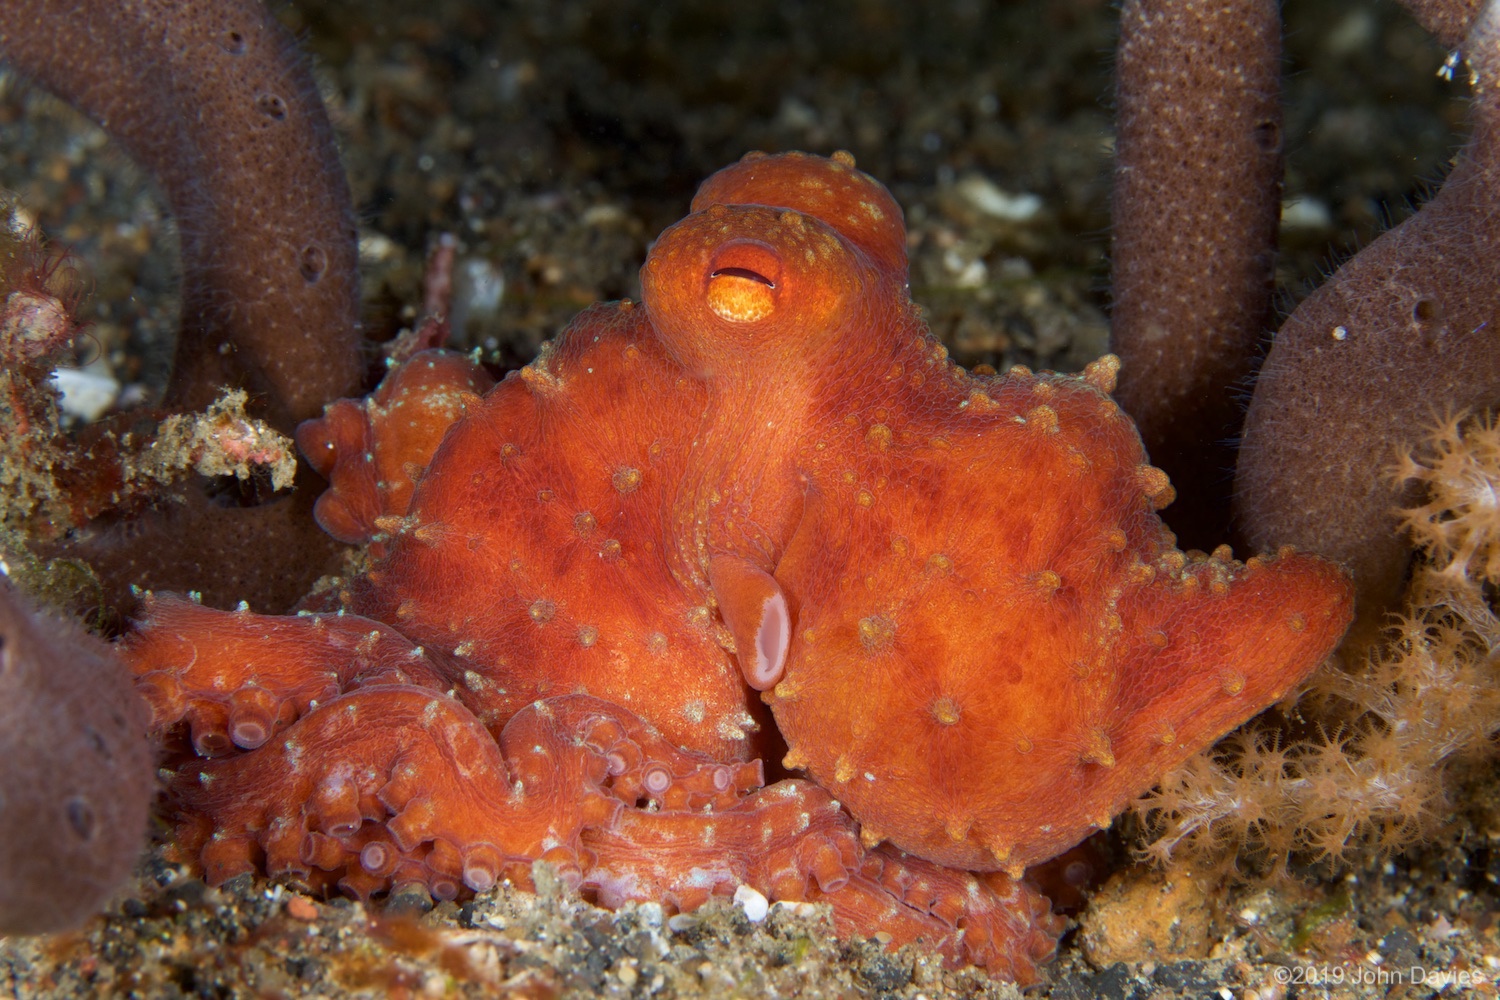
[{"x": 994, "y": 644}]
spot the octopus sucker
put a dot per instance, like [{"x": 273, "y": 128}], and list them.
[{"x": 601, "y": 591}]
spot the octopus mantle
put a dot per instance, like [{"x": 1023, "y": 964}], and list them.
[{"x": 761, "y": 506}]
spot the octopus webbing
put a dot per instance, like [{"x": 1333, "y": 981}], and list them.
[{"x": 758, "y": 513}]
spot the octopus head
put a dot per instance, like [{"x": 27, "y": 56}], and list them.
[{"x": 780, "y": 256}]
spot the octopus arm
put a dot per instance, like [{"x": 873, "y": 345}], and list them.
[
  {"x": 235, "y": 678},
  {"x": 991, "y": 920},
  {"x": 373, "y": 452}
]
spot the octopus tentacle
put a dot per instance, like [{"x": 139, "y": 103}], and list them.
[
  {"x": 427, "y": 796},
  {"x": 433, "y": 802},
  {"x": 236, "y": 678},
  {"x": 373, "y": 451},
  {"x": 643, "y": 767},
  {"x": 350, "y": 794},
  {"x": 780, "y": 840},
  {"x": 987, "y": 919}
]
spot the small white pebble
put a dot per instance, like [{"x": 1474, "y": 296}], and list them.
[
  {"x": 966, "y": 273},
  {"x": 1305, "y": 213},
  {"x": 86, "y": 392},
  {"x": 478, "y": 287},
  {"x": 375, "y": 248},
  {"x": 604, "y": 215},
  {"x": 755, "y": 905},
  {"x": 794, "y": 114},
  {"x": 21, "y": 221},
  {"x": 1355, "y": 32},
  {"x": 985, "y": 195}
]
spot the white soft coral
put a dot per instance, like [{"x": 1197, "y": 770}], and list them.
[
  {"x": 1458, "y": 521},
  {"x": 1363, "y": 764}
]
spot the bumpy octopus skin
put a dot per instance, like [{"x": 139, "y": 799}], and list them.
[
  {"x": 952, "y": 591},
  {"x": 354, "y": 768}
]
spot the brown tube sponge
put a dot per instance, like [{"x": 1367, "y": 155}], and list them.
[
  {"x": 1407, "y": 330},
  {"x": 77, "y": 773},
  {"x": 1447, "y": 20},
  {"x": 1197, "y": 195},
  {"x": 214, "y": 100}
]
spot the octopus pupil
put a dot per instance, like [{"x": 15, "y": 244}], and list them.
[{"x": 743, "y": 272}]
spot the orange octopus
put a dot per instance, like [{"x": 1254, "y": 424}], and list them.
[{"x": 761, "y": 506}]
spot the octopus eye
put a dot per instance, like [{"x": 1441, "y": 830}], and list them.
[
  {"x": 741, "y": 296},
  {"x": 743, "y": 272},
  {"x": 742, "y": 284}
]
